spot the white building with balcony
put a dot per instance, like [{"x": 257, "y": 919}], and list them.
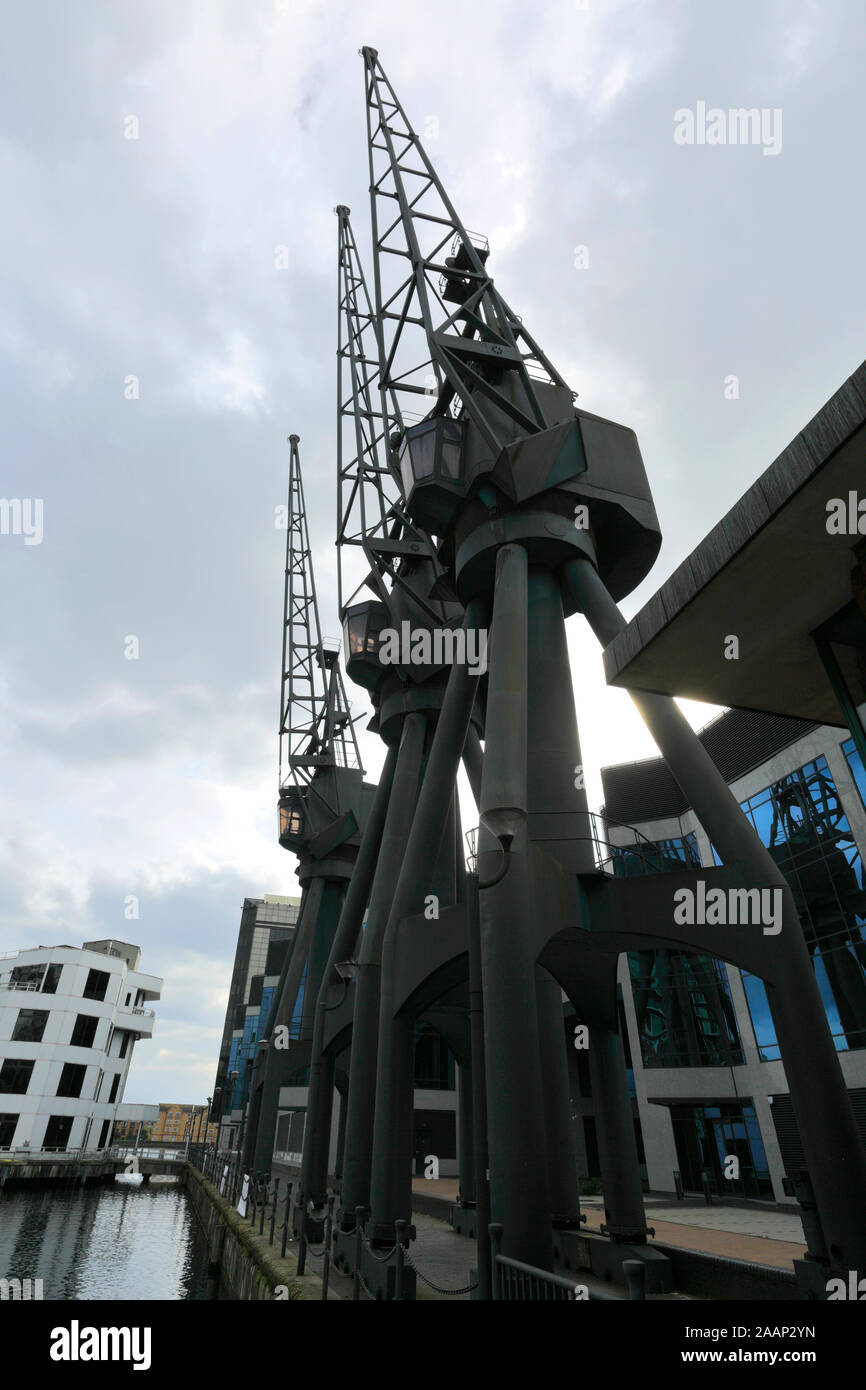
[{"x": 69, "y": 1019}]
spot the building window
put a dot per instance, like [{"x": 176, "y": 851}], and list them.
[
  {"x": 52, "y": 979},
  {"x": 30, "y": 1025},
  {"x": 103, "y": 1134},
  {"x": 27, "y": 977},
  {"x": 655, "y": 856},
  {"x": 15, "y": 1074},
  {"x": 802, "y": 822},
  {"x": 7, "y": 1130},
  {"x": 97, "y": 984},
  {"x": 84, "y": 1030},
  {"x": 434, "y": 1061},
  {"x": 71, "y": 1080},
  {"x": 35, "y": 977},
  {"x": 685, "y": 1015},
  {"x": 290, "y": 1131},
  {"x": 124, "y": 1044},
  {"x": 114, "y": 1085},
  {"x": 57, "y": 1132},
  {"x": 855, "y": 763}
]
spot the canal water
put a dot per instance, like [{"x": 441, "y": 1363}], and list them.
[{"x": 120, "y": 1240}]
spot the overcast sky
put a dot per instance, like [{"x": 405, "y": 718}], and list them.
[{"x": 154, "y": 258}]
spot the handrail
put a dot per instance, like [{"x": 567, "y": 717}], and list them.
[
  {"x": 516, "y": 1280},
  {"x": 606, "y": 854}
]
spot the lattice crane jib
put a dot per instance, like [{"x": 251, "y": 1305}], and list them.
[
  {"x": 377, "y": 543},
  {"x": 446, "y": 330},
  {"x": 316, "y": 729}
]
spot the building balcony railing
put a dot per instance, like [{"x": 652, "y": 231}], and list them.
[{"x": 135, "y": 1020}]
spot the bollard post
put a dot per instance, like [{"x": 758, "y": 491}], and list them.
[
  {"x": 326, "y": 1258},
  {"x": 708, "y": 1191},
  {"x": 635, "y": 1277},
  {"x": 302, "y": 1243},
  {"x": 360, "y": 1213},
  {"x": 678, "y": 1186},
  {"x": 495, "y": 1232},
  {"x": 274, "y": 1209},
  {"x": 400, "y": 1227},
  {"x": 286, "y": 1220}
]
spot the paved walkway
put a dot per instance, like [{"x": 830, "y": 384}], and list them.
[{"x": 757, "y": 1234}]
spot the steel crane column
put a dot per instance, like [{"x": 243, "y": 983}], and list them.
[
  {"x": 515, "y": 1107},
  {"x": 466, "y": 1146},
  {"x": 314, "y": 1167},
  {"x": 559, "y": 824},
  {"x": 391, "y": 1186},
  {"x": 365, "y": 1028},
  {"x": 479, "y": 1090},
  {"x": 561, "y": 1155},
  {"x": 624, "y": 1214},
  {"x": 333, "y": 899}
]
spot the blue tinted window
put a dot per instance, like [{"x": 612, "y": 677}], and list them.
[{"x": 855, "y": 762}]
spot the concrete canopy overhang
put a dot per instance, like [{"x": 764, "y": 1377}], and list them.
[{"x": 769, "y": 573}]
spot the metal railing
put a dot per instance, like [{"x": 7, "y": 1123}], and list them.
[
  {"x": 641, "y": 848},
  {"x": 512, "y": 1279},
  {"x": 516, "y": 1281}
]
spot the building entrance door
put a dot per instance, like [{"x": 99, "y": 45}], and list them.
[{"x": 723, "y": 1140}]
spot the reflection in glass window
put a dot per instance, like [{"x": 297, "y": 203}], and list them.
[
  {"x": 451, "y": 442},
  {"x": 422, "y": 451},
  {"x": 30, "y": 1025},
  {"x": 685, "y": 1015},
  {"x": 52, "y": 979},
  {"x": 27, "y": 977},
  {"x": 706, "y": 1136},
  {"x": 802, "y": 822},
  {"x": 855, "y": 763}
]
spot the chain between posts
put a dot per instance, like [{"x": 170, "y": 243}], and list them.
[
  {"x": 449, "y": 1293},
  {"x": 262, "y": 1195}
]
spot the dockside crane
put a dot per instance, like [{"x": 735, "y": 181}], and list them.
[
  {"x": 381, "y": 550},
  {"x": 323, "y": 807},
  {"x": 540, "y": 510}
]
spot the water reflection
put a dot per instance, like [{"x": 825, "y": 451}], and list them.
[{"x": 119, "y": 1241}]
